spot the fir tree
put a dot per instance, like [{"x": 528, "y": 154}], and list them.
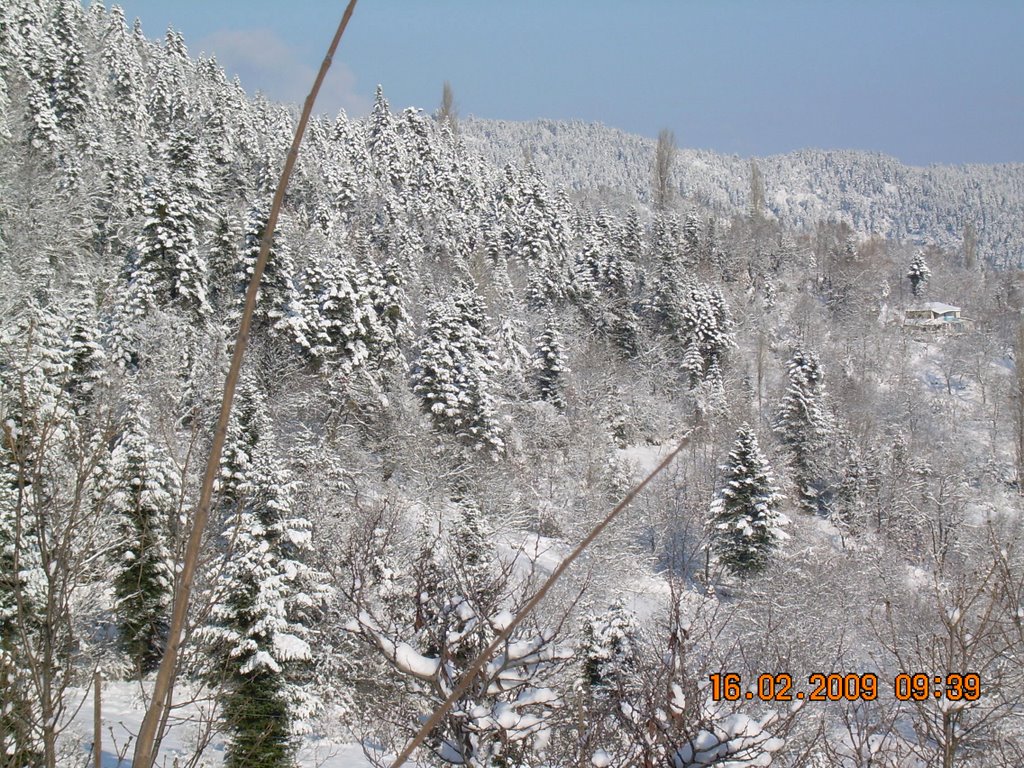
[
  {"x": 454, "y": 372},
  {"x": 124, "y": 76},
  {"x": 665, "y": 297},
  {"x": 631, "y": 238},
  {"x": 67, "y": 70},
  {"x": 168, "y": 102},
  {"x": 265, "y": 601},
  {"x": 691, "y": 236},
  {"x": 802, "y": 425},
  {"x": 222, "y": 259},
  {"x": 693, "y": 364},
  {"x": 918, "y": 274},
  {"x": 386, "y": 148},
  {"x": 384, "y": 286},
  {"x": 143, "y": 502},
  {"x": 513, "y": 357},
  {"x": 745, "y": 522},
  {"x": 611, "y": 682},
  {"x": 278, "y": 308},
  {"x": 339, "y": 316},
  {"x": 549, "y": 367},
  {"x": 429, "y": 625},
  {"x": 702, "y": 321},
  {"x": 609, "y": 651},
  {"x": 85, "y": 352},
  {"x": 167, "y": 268}
]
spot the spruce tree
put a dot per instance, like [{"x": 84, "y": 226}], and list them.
[
  {"x": 702, "y": 321},
  {"x": 918, "y": 274},
  {"x": 454, "y": 373},
  {"x": 745, "y": 523},
  {"x": 143, "y": 503},
  {"x": 609, "y": 651},
  {"x": 67, "y": 86},
  {"x": 663, "y": 304},
  {"x": 337, "y": 314},
  {"x": 803, "y": 426},
  {"x": 386, "y": 148},
  {"x": 383, "y": 284},
  {"x": 85, "y": 352},
  {"x": 278, "y": 308},
  {"x": 611, "y": 682},
  {"x": 265, "y": 601},
  {"x": 549, "y": 366},
  {"x": 167, "y": 258}
]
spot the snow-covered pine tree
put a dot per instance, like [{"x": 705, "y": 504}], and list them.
[
  {"x": 549, "y": 368},
  {"x": 691, "y": 239},
  {"x": 169, "y": 104},
  {"x": 167, "y": 260},
  {"x": 278, "y": 308},
  {"x": 67, "y": 87},
  {"x": 123, "y": 98},
  {"x": 337, "y": 314},
  {"x": 693, "y": 364},
  {"x": 454, "y": 371},
  {"x": 663, "y": 304},
  {"x": 386, "y": 148},
  {"x": 745, "y": 523},
  {"x": 539, "y": 241},
  {"x": 610, "y": 683},
  {"x": 603, "y": 280},
  {"x": 513, "y": 356},
  {"x": 918, "y": 274},
  {"x": 803, "y": 425},
  {"x": 610, "y": 655},
  {"x": 631, "y": 238},
  {"x": 702, "y": 321},
  {"x": 222, "y": 256},
  {"x": 144, "y": 500},
  {"x": 384, "y": 285},
  {"x": 85, "y": 352},
  {"x": 123, "y": 75},
  {"x": 264, "y": 602},
  {"x": 48, "y": 536}
]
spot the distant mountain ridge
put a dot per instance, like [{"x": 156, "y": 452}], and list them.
[{"x": 872, "y": 192}]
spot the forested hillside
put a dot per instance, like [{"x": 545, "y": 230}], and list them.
[
  {"x": 874, "y": 194},
  {"x": 456, "y": 369}
]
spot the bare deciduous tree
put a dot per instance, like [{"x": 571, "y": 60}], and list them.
[
  {"x": 756, "y": 191},
  {"x": 970, "y": 246},
  {"x": 965, "y": 620},
  {"x": 448, "y": 112},
  {"x": 664, "y": 157}
]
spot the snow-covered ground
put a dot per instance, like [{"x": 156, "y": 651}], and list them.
[{"x": 122, "y": 710}]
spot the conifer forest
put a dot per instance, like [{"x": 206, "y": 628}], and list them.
[{"x": 472, "y": 339}]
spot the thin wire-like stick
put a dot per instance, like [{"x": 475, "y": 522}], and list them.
[
  {"x": 488, "y": 652},
  {"x": 148, "y": 737}
]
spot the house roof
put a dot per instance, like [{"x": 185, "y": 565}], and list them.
[{"x": 935, "y": 306}]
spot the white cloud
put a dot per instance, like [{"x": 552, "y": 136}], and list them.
[{"x": 264, "y": 62}]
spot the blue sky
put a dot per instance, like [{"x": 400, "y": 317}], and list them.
[{"x": 929, "y": 81}]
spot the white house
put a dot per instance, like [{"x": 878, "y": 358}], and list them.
[{"x": 934, "y": 316}]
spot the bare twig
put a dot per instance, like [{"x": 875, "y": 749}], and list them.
[{"x": 145, "y": 749}]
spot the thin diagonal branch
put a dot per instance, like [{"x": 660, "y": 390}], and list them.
[
  {"x": 488, "y": 652},
  {"x": 145, "y": 749}
]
